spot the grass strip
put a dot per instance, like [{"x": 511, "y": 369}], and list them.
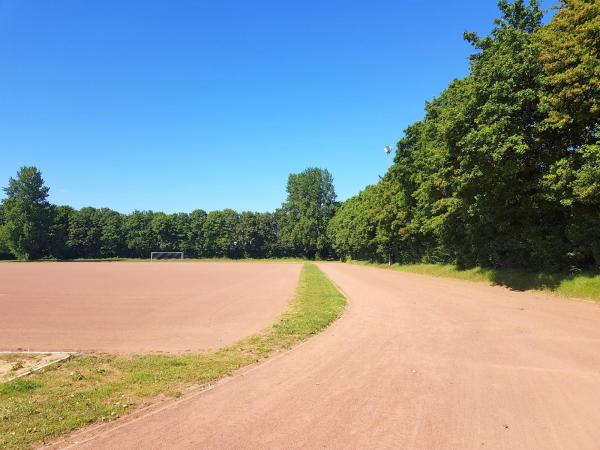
[
  {"x": 582, "y": 285},
  {"x": 97, "y": 388}
]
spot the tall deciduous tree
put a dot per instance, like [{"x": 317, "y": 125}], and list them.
[
  {"x": 499, "y": 165},
  {"x": 504, "y": 170},
  {"x": 221, "y": 232},
  {"x": 85, "y": 232},
  {"x": 141, "y": 240},
  {"x": 4, "y": 250},
  {"x": 26, "y": 214},
  {"x": 196, "y": 238},
  {"x": 310, "y": 204},
  {"x": 570, "y": 54},
  {"x": 58, "y": 234}
]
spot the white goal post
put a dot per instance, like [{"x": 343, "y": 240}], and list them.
[{"x": 165, "y": 255}]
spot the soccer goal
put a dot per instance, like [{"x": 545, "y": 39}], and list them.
[{"x": 165, "y": 255}]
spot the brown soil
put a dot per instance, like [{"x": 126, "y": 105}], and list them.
[
  {"x": 14, "y": 365},
  {"x": 415, "y": 362},
  {"x": 139, "y": 307}
]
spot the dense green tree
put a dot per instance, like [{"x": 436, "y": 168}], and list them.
[
  {"x": 251, "y": 238},
  {"x": 281, "y": 246},
  {"x": 59, "y": 232},
  {"x": 4, "y": 249},
  {"x": 140, "y": 240},
  {"x": 172, "y": 232},
  {"x": 95, "y": 233},
  {"x": 112, "y": 236},
  {"x": 480, "y": 196},
  {"x": 503, "y": 169},
  {"x": 500, "y": 161},
  {"x": 104, "y": 233},
  {"x": 310, "y": 204},
  {"x": 196, "y": 240},
  {"x": 352, "y": 229},
  {"x": 221, "y": 232},
  {"x": 27, "y": 214},
  {"x": 370, "y": 225},
  {"x": 180, "y": 231},
  {"x": 85, "y": 231},
  {"x": 570, "y": 54},
  {"x": 164, "y": 234},
  {"x": 258, "y": 234},
  {"x": 270, "y": 230}
]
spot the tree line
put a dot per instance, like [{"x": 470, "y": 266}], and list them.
[
  {"x": 504, "y": 169},
  {"x": 33, "y": 228}
]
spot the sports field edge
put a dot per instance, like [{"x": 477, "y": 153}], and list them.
[
  {"x": 583, "y": 286},
  {"x": 98, "y": 388},
  {"x": 184, "y": 260}
]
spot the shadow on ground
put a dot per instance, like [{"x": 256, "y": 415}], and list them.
[{"x": 524, "y": 281}]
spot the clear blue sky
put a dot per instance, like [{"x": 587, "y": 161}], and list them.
[{"x": 178, "y": 105}]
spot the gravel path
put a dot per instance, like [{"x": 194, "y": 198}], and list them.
[{"x": 415, "y": 362}]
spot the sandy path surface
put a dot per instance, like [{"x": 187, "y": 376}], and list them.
[
  {"x": 139, "y": 307},
  {"x": 415, "y": 362}
]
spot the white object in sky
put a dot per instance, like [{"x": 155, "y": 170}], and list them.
[{"x": 387, "y": 149}]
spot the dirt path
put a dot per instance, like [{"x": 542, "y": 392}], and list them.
[
  {"x": 415, "y": 362},
  {"x": 131, "y": 307}
]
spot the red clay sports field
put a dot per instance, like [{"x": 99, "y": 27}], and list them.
[{"x": 136, "y": 307}]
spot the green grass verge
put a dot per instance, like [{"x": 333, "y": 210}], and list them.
[
  {"x": 99, "y": 388},
  {"x": 569, "y": 285}
]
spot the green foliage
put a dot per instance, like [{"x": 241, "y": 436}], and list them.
[
  {"x": 367, "y": 226},
  {"x": 496, "y": 162},
  {"x": 570, "y": 54},
  {"x": 58, "y": 233},
  {"x": 503, "y": 171},
  {"x": 352, "y": 229},
  {"x": 141, "y": 241},
  {"x": 112, "y": 236},
  {"x": 569, "y": 51},
  {"x": 26, "y": 214},
  {"x": 4, "y": 248},
  {"x": 310, "y": 204},
  {"x": 38, "y": 229},
  {"x": 96, "y": 233},
  {"x": 194, "y": 244},
  {"x": 257, "y": 235},
  {"x": 221, "y": 234}
]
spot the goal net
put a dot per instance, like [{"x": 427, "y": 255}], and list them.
[{"x": 165, "y": 255}]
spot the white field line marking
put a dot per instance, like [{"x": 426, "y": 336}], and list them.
[
  {"x": 27, "y": 352},
  {"x": 37, "y": 369}
]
